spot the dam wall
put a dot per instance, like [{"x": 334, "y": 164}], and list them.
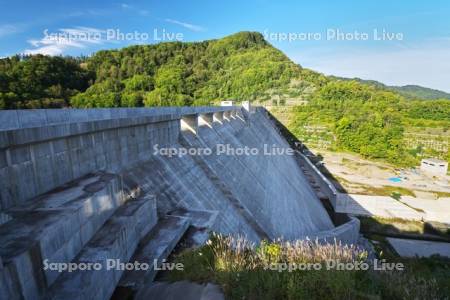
[
  {"x": 87, "y": 185},
  {"x": 286, "y": 205},
  {"x": 43, "y": 149}
]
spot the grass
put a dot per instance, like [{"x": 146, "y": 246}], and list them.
[
  {"x": 435, "y": 268},
  {"x": 442, "y": 194},
  {"x": 390, "y": 225},
  {"x": 395, "y": 226},
  {"x": 382, "y": 247},
  {"x": 343, "y": 186},
  {"x": 386, "y": 190},
  {"x": 353, "y": 164},
  {"x": 244, "y": 271}
]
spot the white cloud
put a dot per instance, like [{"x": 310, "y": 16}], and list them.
[
  {"x": 134, "y": 9},
  {"x": 427, "y": 66},
  {"x": 57, "y": 43},
  {"x": 8, "y": 29},
  {"x": 186, "y": 25}
]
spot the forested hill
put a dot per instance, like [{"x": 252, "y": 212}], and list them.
[
  {"x": 240, "y": 66},
  {"x": 420, "y": 92},
  {"x": 408, "y": 91}
]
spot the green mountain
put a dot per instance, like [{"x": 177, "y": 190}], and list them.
[
  {"x": 419, "y": 92},
  {"x": 240, "y": 66},
  {"x": 408, "y": 91}
]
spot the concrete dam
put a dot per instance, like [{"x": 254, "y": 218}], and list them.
[{"x": 84, "y": 186}]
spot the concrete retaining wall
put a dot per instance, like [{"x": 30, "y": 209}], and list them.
[
  {"x": 347, "y": 233},
  {"x": 43, "y": 149},
  {"x": 325, "y": 185}
]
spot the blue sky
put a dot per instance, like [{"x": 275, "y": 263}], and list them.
[{"x": 415, "y": 50}]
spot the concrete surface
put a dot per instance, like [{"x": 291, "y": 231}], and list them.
[
  {"x": 181, "y": 290},
  {"x": 296, "y": 210},
  {"x": 412, "y": 248},
  {"x": 44, "y": 149},
  {"x": 382, "y": 206},
  {"x": 155, "y": 247},
  {"x": 437, "y": 210},
  {"x": 201, "y": 221},
  {"x": 15, "y": 119},
  {"x": 362, "y": 174},
  {"x": 117, "y": 239},
  {"x": 75, "y": 185},
  {"x": 55, "y": 226}
]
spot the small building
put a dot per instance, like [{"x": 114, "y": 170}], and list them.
[
  {"x": 227, "y": 103},
  {"x": 434, "y": 166}
]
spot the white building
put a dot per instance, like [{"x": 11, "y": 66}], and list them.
[
  {"x": 227, "y": 103},
  {"x": 434, "y": 166}
]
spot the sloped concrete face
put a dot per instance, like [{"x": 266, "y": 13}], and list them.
[
  {"x": 181, "y": 182},
  {"x": 261, "y": 196},
  {"x": 271, "y": 187}
]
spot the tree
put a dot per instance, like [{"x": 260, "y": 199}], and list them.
[{"x": 35, "y": 81}]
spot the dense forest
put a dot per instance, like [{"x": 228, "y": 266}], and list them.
[
  {"x": 240, "y": 66},
  {"x": 368, "y": 120},
  {"x": 41, "y": 81},
  {"x": 364, "y": 117}
]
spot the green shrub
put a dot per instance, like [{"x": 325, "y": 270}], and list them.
[{"x": 244, "y": 271}]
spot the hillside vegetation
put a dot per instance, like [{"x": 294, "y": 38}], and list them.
[
  {"x": 41, "y": 81},
  {"x": 408, "y": 91},
  {"x": 420, "y": 92},
  {"x": 241, "y": 66},
  {"x": 308, "y": 270},
  {"x": 366, "y": 118}
]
